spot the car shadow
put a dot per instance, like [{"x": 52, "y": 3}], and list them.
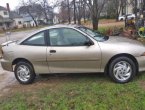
[{"x": 71, "y": 76}]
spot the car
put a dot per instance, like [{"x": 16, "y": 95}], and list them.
[
  {"x": 121, "y": 18},
  {"x": 73, "y": 49},
  {"x": 129, "y": 16}
]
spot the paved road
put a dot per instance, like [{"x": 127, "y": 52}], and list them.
[{"x": 7, "y": 78}]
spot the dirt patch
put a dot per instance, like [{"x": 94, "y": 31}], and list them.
[
  {"x": 6, "y": 79},
  {"x": 109, "y": 24},
  {"x": 48, "y": 81},
  {"x": 2, "y": 76},
  {"x": 104, "y": 21},
  {"x": 142, "y": 84}
]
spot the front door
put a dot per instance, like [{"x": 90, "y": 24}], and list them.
[{"x": 69, "y": 54}]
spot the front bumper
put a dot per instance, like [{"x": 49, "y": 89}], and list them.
[
  {"x": 6, "y": 65},
  {"x": 141, "y": 63}
]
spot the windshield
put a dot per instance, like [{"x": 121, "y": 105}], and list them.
[{"x": 96, "y": 35}]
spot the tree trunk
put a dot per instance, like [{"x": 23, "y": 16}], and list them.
[
  {"x": 95, "y": 22},
  {"x": 84, "y": 14},
  {"x": 79, "y": 21},
  {"x": 117, "y": 15},
  {"x": 45, "y": 13},
  {"x": 35, "y": 22},
  {"x": 74, "y": 11},
  {"x": 69, "y": 20},
  {"x": 143, "y": 9},
  {"x": 135, "y": 10},
  {"x": 33, "y": 18}
]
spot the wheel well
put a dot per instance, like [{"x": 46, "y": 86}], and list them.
[
  {"x": 122, "y": 55},
  {"x": 21, "y": 60}
]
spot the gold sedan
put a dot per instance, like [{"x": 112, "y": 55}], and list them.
[{"x": 73, "y": 49}]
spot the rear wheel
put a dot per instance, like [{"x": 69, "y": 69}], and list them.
[
  {"x": 24, "y": 73},
  {"x": 122, "y": 70}
]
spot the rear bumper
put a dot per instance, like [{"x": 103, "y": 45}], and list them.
[
  {"x": 141, "y": 63},
  {"x": 6, "y": 65}
]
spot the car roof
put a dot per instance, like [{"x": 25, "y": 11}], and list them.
[{"x": 60, "y": 26}]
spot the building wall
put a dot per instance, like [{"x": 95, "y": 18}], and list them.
[
  {"x": 29, "y": 24},
  {"x": 18, "y": 23},
  {"x": 3, "y": 15}
]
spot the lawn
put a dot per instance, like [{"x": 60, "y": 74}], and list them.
[{"x": 76, "y": 92}]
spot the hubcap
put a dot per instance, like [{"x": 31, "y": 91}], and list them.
[
  {"x": 122, "y": 71},
  {"x": 23, "y": 73}
]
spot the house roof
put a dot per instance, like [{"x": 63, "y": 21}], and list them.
[
  {"x": 2, "y": 8},
  {"x": 14, "y": 15}
]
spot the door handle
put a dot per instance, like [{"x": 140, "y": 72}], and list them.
[{"x": 52, "y": 51}]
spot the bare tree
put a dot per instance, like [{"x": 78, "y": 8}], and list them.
[
  {"x": 84, "y": 12},
  {"x": 95, "y": 7},
  {"x": 45, "y": 8},
  {"x": 74, "y": 7},
  {"x": 30, "y": 7},
  {"x": 143, "y": 8},
  {"x": 63, "y": 12},
  {"x": 68, "y": 11},
  {"x": 119, "y": 6},
  {"x": 79, "y": 11}
]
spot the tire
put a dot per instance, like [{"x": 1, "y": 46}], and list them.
[
  {"x": 24, "y": 73},
  {"x": 122, "y": 70}
]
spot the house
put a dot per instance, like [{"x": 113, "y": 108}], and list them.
[
  {"x": 5, "y": 21},
  {"x": 17, "y": 20},
  {"x": 36, "y": 12},
  {"x": 28, "y": 21}
]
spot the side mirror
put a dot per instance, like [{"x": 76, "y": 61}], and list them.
[{"x": 89, "y": 43}]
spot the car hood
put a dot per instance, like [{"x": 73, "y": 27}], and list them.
[
  {"x": 123, "y": 40},
  {"x": 117, "y": 45}
]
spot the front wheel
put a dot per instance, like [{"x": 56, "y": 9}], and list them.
[
  {"x": 122, "y": 70},
  {"x": 24, "y": 73}
]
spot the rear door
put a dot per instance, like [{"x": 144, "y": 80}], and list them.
[{"x": 69, "y": 54}]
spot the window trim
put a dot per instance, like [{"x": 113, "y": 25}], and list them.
[
  {"x": 68, "y": 45},
  {"x": 45, "y": 39}
]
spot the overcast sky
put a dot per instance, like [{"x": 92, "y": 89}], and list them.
[{"x": 12, "y": 3}]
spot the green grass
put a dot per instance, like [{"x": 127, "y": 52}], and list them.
[
  {"x": 79, "y": 92},
  {"x": 113, "y": 28}
]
